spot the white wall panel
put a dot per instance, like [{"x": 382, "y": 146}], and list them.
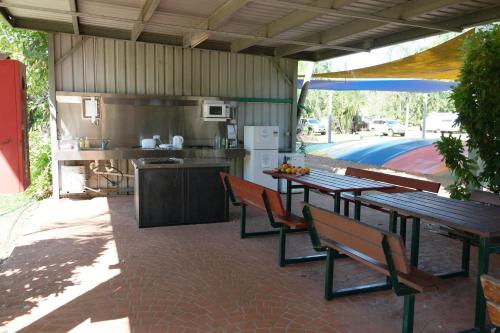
[{"x": 116, "y": 66}]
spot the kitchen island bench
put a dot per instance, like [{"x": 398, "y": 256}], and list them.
[{"x": 173, "y": 191}]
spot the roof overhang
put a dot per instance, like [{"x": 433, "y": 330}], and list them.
[{"x": 302, "y": 29}]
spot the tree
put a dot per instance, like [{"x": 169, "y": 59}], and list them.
[
  {"x": 31, "y": 48},
  {"x": 477, "y": 101}
]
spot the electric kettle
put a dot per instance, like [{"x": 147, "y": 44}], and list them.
[{"x": 177, "y": 142}]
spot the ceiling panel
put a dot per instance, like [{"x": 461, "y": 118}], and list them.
[{"x": 172, "y": 16}]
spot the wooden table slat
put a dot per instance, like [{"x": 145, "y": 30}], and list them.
[
  {"x": 427, "y": 201},
  {"x": 468, "y": 208},
  {"x": 330, "y": 182},
  {"x": 411, "y": 203}
]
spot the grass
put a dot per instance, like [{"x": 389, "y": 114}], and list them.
[{"x": 11, "y": 202}]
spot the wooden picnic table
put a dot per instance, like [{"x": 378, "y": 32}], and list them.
[
  {"x": 473, "y": 218},
  {"x": 327, "y": 182}
]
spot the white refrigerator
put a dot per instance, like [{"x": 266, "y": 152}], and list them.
[{"x": 261, "y": 144}]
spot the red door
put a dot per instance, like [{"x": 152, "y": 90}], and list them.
[{"x": 14, "y": 170}]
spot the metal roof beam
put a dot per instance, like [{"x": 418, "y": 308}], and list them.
[
  {"x": 476, "y": 18},
  {"x": 306, "y": 44},
  {"x": 352, "y": 14},
  {"x": 294, "y": 19},
  {"x": 146, "y": 12},
  {"x": 74, "y": 19},
  {"x": 215, "y": 20},
  {"x": 399, "y": 12}
]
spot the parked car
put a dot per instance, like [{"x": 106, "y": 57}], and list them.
[
  {"x": 387, "y": 127},
  {"x": 312, "y": 125},
  {"x": 360, "y": 125},
  {"x": 441, "y": 122}
]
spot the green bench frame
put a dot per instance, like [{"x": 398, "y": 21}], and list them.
[
  {"x": 272, "y": 205},
  {"x": 399, "y": 274}
]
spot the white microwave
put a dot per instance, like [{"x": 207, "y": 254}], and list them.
[{"x": 216, "y": 110}]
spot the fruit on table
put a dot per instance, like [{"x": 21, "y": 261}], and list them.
[{"x": 293, "y": 170}]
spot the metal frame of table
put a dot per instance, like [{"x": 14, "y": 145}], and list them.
[{"x": 470, "y": 217}]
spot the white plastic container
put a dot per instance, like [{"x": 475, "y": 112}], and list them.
[{"x": 148, "y": 143}]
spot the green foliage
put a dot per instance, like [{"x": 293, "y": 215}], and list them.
[
  {"x": 302, "y": 147},
  {"x": 40, "y": 164},
  {"x": 462, "y": 167},
  {"x": 31, "y": 48},
  {"x": 374, "y": 104},
  {"x": 477, "y": 101}
]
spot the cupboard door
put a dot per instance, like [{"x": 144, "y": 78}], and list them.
[
  {"x": 162, "y": 200},
  {"x": 205, "y": 196}
]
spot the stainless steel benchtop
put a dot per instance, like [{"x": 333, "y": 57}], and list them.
[
  {"x": 167, "y": 162},
  {"x": 137, "y": 153}
]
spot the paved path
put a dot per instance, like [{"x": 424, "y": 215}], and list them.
[{"x": 84, "y": 266}]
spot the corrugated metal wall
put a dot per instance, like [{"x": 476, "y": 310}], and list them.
[{"x": 117, "y": 66}]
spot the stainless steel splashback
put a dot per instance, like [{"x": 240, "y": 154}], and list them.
[{"x": 126, "y": 123}]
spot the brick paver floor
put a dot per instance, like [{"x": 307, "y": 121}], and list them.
[{"x": 84, "y": 266}]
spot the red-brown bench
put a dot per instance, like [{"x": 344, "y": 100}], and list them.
[
  {"x": 243, "y": 193},
  {"x": 383, "y": 251},
  {"x": 491, "y": 290}
]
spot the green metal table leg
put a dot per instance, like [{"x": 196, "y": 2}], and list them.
[
  {"x": 243, "y": 217},
  {"x": 226, "y": 203},
  {"x": 408, "y": 313},
  {"x": 336, "y": 207},
  {"x": 288, "y": 196},
  {"x": 482, "y": 268},
  {"x": 393, "y": 226},
  {"x": 393, "y": 221},
  {"x": 465, "y": 256},
  {"x": 330, "y": 258},
  {"x": 402, "y": 228},
  {"x": 415, "y": 241},
  {"x": 282, "y": 247},
  {"x": 306, "y": 194},
  {"x": 346, "y": 208},
  {"x": 357, "y": 207}
]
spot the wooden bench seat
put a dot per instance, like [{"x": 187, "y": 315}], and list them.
[
  {"x": 373, "y": 247},
  {"x": 491, "y": 290},
  {"x": 243, "y": 193}
]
